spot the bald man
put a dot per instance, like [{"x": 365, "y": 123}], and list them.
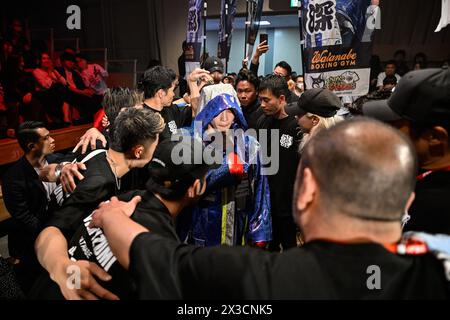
[{"x": 350, "y": 215}]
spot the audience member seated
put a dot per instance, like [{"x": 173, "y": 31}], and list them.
[
  {"x": 94, "y": 77},
  {"x": 18, "y": 37},
  {"x": 51, "y": 92},
  {"x": 78, "y": 95},
  {"x": 20, "y": 93},
  {"x": 420, "y": 61},
  {"x": 6, "y": 51},
  {"x": 389, "y": 70},
  {"x": 402, "y": 66}
]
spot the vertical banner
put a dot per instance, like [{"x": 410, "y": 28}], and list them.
[
  {"x": 227, "y": 14},
  {"x": 194, "y": 36},
  {"x": 337, "y": 37},
  {"x": 253, "y": 18}
]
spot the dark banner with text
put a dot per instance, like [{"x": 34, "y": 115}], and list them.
[
  {"x": 227, "y": 14},
  {"x": 253, "y": 19},
  {"x": 194, "y": 37},
  {"x": 338, "y": 44}
]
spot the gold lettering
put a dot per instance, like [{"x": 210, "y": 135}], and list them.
[{"x": 325, "y": 57}]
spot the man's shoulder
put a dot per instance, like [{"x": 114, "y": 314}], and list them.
[
  {"x": 290, "y": 125},
  {"x": 16, "y": 170},
  {"x": 264, "y": 121}
]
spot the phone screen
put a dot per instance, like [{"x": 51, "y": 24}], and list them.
[{"x": 263, "y": 37}]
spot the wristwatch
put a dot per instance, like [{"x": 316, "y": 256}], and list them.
[{"x": 58, "y": 169}]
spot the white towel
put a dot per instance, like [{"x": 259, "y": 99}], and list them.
[{"x": 210, "y": 92}]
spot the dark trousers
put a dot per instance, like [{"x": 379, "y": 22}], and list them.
[
  {"x": 86, "y": 106},
  {"x": 52, "y": 100},
  {"x": 284, "y": 233}
]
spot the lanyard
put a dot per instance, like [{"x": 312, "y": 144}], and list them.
[
  {"x": 426, "y": 174},
  {"x": 412, "y": 247}
]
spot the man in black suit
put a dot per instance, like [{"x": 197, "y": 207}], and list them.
[{"x": 27, "y": 198}]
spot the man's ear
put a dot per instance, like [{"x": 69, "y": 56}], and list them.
[
  {"x": 315, "y": 120},
  {"x": 282, "y": 99},
  {"x": 307, "y": 190},
  {"x": 195, "y": 189},
  {"x": 30, "y": 146},
  {"x": 138, "y": 151},
  {"x": 160, "y": 93},
  {"x": 438, "y": 141}
]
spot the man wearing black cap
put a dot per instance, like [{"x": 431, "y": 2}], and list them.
[
  {"x": 316, "y": 110},
  {"x": 321, "y": 102},
  {"x": 215, "y": 67},
  {"x": 420, "y": 107}
]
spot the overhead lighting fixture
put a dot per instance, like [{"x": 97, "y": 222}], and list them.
[{"x": 261, "y": 23}]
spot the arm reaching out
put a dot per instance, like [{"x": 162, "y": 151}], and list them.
[
  {"x": 90, "y": 138},
  {"x": 196, "y": 81},
  {"x": 120, "y": 230},
  {"x": 51, "y": 250}
]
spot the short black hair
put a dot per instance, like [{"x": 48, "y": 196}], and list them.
[
  {"x": 286, "y": 66},
  {"x": 134, "y": 127},
  {"x": 417, "y": 129},
  {"x": 41, "y": 54},
  {"x": 66, "y": 56},
  {"x": 246, "y": 75},
  {"x": 82, "y": 56},
  {"x": 275, "y": 84},
  {"x": 156, "y": 78},
  {"x": 391, "y": 62},
  {"x": 117, "y": 98},
  {"x": 27, "y": 133}
]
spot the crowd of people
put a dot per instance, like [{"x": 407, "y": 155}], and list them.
[
  {"x": 244, "y": 187},
  {"x": 37, "y": 88}
]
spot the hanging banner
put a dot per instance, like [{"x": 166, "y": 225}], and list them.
[
  {"x": 445, "y": 15},
  {"x": 337, "y": 38},
  {"x": 227, "y": 14},
  {"x": 253, "y": 18},
  {"x": 194, "y": 36}
]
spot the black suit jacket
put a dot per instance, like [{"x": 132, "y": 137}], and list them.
[{"x": 26, "y": 200}]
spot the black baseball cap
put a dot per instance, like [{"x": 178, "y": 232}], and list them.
[
  {"x": 175, "y": 166},
  {"x": 212, "y": 64},
  {"x": 318, "y": 101},
  {"x": 421, "y": 96}
]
